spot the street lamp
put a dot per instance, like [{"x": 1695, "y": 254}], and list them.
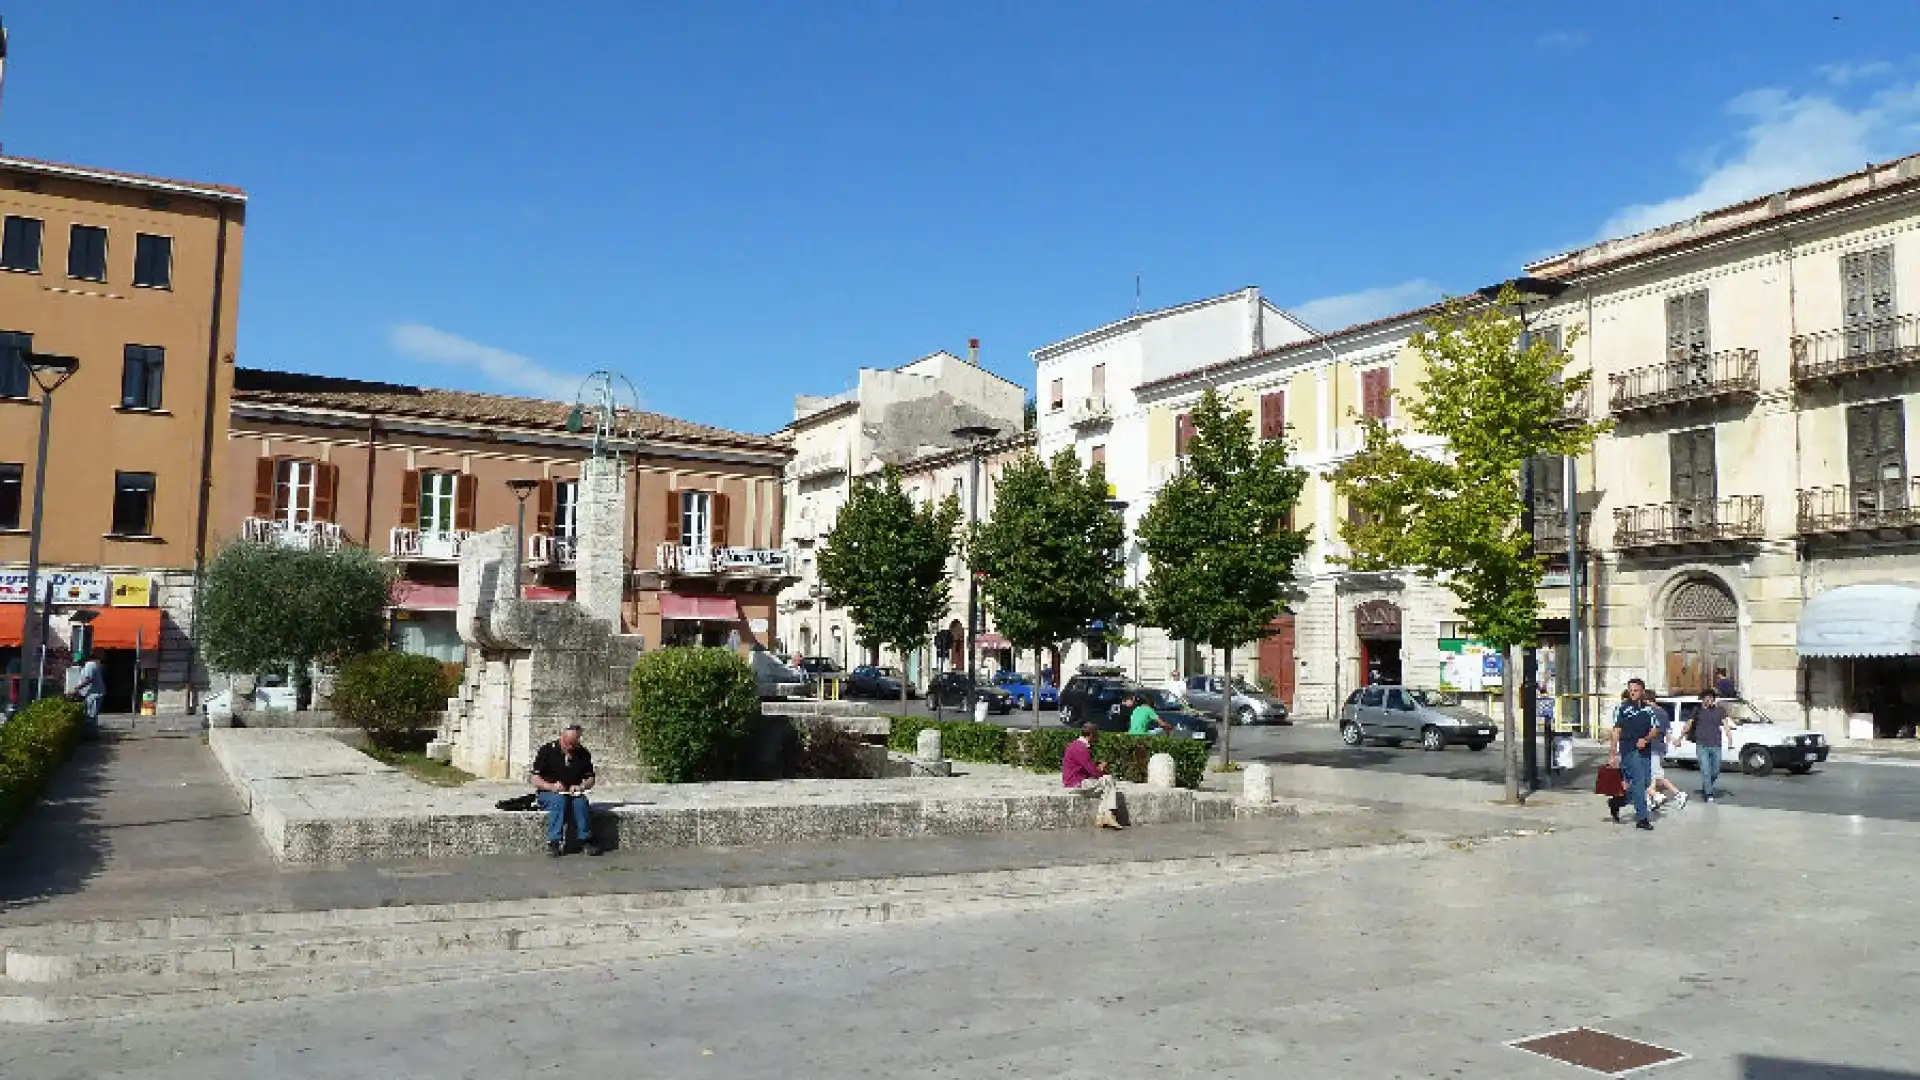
[
  {"x": 976, "y": 435},
  {"x": 521, "y": 489},
  {"x": 1540, "y": 289},
  {"x": 49, "y": 373}
]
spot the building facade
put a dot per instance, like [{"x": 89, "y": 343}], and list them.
[
  {"x": 138, "y": 279},
  {"x": 410, "y": 473}
]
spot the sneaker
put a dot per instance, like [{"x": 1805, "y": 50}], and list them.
[
  {"x": 554, "y": 850},
  {"x": 1643, "y": 823},
  {"x": 592, "y": 849}
]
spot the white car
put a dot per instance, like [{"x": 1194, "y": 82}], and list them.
[{"x": 1758, "y": 744}]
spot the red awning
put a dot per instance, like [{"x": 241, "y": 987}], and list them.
[
  {"x": 991, "y": 640},
  {"x": 417, "y": 597},
  {"x": 543, "y": 592},
  {"x": 699, "y": 608},
  {"x": 126, "y": 628},
  {"x": 13, "y": 626}
]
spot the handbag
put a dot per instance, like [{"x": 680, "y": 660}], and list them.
[
  {"x": 518, "y": 803},
  {"x": 1609, "y": 781}
]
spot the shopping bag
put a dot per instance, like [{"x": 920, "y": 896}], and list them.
[{"x": 1609, "y": 781}]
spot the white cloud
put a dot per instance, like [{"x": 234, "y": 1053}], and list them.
[
  {"x": 1845, "y": 74},
  {"x": 506, "y": 371},
  {"x": 1334, "y": 312},
  {"x": 1788, "y": 140},
  {"x": 1562, "y": 40}
]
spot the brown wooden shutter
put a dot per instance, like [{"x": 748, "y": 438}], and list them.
[
  {"x": 1692, "y": 475},
  {"x": 673, "y": 518},
  {"x": 1687, "y": 326},
  {"x": 264, "y": 472},
  {"x": 1376, "y": 393},
  {"x": 1273, "y": 415},
  {"x": 466, "y": 497},
  {"x": 1876, "y": 456},
  {"x": 410, "y": 499},
  {"x": 326, "y": 491},
  {"x": 1182, "y": 433},
  {"x": 717, "y": 531},
  {"x": 543, "y": 511}
]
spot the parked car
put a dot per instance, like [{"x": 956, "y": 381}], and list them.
[
  {"x": 1186, "y": 721},
  {"x": 876, "y": 682},
  {"x": 1251, "y": 705},
  {"x": 1020, "y": 685},
  {"x": 1756, "y": 742},
  {"x": 775, "y": 679},
  {"x": 819, "y": 669},
  {"x": 1394, "y": 714},
  {"x": 1095, "y": 694},
  {"x": 958, "y": 690}
]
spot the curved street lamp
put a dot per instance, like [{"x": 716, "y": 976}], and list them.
[{"x": 49, "y": 373}]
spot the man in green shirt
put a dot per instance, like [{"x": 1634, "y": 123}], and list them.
[{"x": 1143, "y": 720}]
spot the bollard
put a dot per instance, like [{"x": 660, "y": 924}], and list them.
[
  {"x": 1256, "y": 784},
  {"x": 929, "y": 746},
  {"x": 980, "y": 711},
  {"x": 1160, "y": 773}
]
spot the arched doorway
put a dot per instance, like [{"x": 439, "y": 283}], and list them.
[
  {"x": 1377, "y": 623},
  {"x": 1702, "y": 636}
]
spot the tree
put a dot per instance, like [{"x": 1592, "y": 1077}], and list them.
[
  {"x": 1051, "y": 555},
  {"x": 1456, "y": 518},
  {"x": 274, "y": 609},
  {"x": 1219, "y": 538},
  {"x": 887, "y": 560}
]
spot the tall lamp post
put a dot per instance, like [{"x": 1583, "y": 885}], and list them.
[
  {"x": 521, "y": 489},
  {"x": 1532, "y": 289},
  {"x": 976, "y": 435},
  {"x": 49, "y": 373}
]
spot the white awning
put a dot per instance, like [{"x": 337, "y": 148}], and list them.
[{"x": 1862, "y": 620}]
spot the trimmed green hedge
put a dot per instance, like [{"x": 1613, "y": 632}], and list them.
[
  {"x": 33, "y": 746},
  {"x": 390, "y": 695},
  {"x": 692, "y": 711},
  {"x": 1126, "y": 756}
]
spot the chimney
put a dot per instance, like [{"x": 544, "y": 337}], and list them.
[{"x": 973, "y": 351}]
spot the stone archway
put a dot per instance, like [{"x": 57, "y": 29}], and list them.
[{"x": 1701, "y": 628}]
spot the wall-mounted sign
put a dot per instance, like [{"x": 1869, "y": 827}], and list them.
[
  {"x": 58, "y": 587},
  {"x": 130, "y": 590},
  {"x": 758, "y": 626}
]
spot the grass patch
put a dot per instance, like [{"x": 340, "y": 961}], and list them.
[{"x": 418, "y": 765}]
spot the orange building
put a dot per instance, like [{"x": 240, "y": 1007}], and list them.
[
  {"x": 410, "y": 472},
  {"x": 138, "y": 278}
]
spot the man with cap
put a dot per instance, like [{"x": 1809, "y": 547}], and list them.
[{"x": 562, "y": 776}]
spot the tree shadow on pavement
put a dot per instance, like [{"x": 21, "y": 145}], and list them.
[
  {"x": 58, "y": 846},
  {"x": 1772, "y": 1068}
]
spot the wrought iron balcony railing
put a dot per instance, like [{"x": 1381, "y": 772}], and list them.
[
  {"x": 405, "y": 543},
  {"x": 1550, "y": 531},
  {"x": 1578, "y": 408},
  {"x": 304, "y": 535},
  {"x": 1686, "y": 380},
  {"x": 1733, "y": 519},
  {"x": 1886, "y": 345},
  {"x": 546, "y": 550},
  {"x": 1828, "y": 511}
]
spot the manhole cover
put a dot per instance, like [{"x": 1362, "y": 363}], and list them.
[{"x": 1609, "y": 1055}]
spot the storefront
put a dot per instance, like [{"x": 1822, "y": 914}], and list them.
[
  {"x": 710, "y": 621},
  {"x": 1869, "y": 636},
  {"x": 123, "y": 631}
]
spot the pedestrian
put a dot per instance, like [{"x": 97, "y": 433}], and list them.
[
  {"x": 1707, "y": 732},
  {"x": 562, "y": 776},
  {"x": 1634, "y": 725},
  {"x": 1142, "y": 719},
  {"x": 91, "y": 689},
  {"x": 1079, "y": 772},
  {"x": 1663, "y": 790}
]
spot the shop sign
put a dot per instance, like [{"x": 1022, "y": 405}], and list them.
[
  {"x": 130, "y": 590},
  {"x": 758, "y": 626},
  {"x": 57, "y": 587}
]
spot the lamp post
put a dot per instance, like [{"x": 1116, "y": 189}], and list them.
[
  {"x": 49, "y": 373},
  {"x": 521, "y": 489},
  {"x": 976, "y": 435}
]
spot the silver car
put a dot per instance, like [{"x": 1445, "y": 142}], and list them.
[
  {"x": 1250, "y": 704},
  {"x": 1395, "y": 714}
]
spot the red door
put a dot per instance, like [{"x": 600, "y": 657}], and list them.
[{"x": 1276, "y": 657}]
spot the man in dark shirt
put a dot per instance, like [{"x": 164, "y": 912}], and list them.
[
  {"x": 562, "y": 776},
  {"x": 1707, "y": 731},
  {"x": 1634, "y": 729}
]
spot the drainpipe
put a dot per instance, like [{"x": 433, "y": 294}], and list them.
[
  {"x": 1802, "y": 676},
  {"x": 211, "y": 402},
  {"x": 366, "y": 528}
]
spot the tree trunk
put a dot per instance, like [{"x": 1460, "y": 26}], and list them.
[
  {"x": 1511, "y": 736},
  {"x": 1037, "y": 674},
  {"x": 903, "y": 681},
  {"x": 1226, "y": 708}
]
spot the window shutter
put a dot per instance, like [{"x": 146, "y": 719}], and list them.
[
  {"x": 543, "y": 512},
  {"x": 1273, "y": 415},
  {"x": 717, "y": 529},
  {"x": 1376, "y": 393},
  {"x": 1182, "y": 433},
  {"x": 410, "y": 499},
  {"x": 673, "y": 518},
  {"x": 326, "y": 491},
  {"x": 263, "y": 474},
  {"x": 466, "y": 494}
]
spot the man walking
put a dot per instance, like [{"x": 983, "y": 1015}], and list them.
[
  {"x": 1634, "y": 729},
  {"x": 562, "y": 775},
  {"x": 1662, "y": 790},
  {"x": 92, "y": 688},
  {"x": 1707, "y": 732}
]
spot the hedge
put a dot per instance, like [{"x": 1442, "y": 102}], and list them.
[
  {"x": 390, "y": 695},
  {"x": 33, "y": 746},
  {"x": 1126, "y": 756},
  {"x": 692, "y": 711}
]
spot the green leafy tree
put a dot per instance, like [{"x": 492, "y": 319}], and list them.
[
  {"x": 1455, "y": 519},
  {"x": 267, "y": 609},
  {"x": 1052, "y": 555},
  {"x": 887, "y": 559},
  {"x": 1219, "y": 537}
]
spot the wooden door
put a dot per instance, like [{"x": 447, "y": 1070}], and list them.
[
  {"x": 1702, "y": 636},
  {"x": 1690, "y": 465},
  {"x": 1277, "y": 657},
  {"x": 1877, "y": 458}
]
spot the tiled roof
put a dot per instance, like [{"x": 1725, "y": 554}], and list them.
[
  {"x": 115, "y": 176},
  {"x": 294, "y": 390},
  {"x": 1321, "y": 341}
]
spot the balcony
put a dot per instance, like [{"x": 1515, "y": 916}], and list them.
[
  {"x": 1892, "y": 507},
  {"x": 299, "y": 535},
  {"x": 413, "y": 545},
  {"x": 1089, "y": 412},
  {"x": 1685, "y": 381},
  {"x": 1578, "y": 408},
  {"x": 725, "y": 562},
  {"x": 556, "y": 552},
  {"x": 812, "y": 466},
  {"x": 1832, "y": 355},
  {"x": 1550, "y": 531},
  {"x": 1736, "y": 519}
]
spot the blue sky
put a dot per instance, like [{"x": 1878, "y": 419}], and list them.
[{"x": 731, "y": 203}]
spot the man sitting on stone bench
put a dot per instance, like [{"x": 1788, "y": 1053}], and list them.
[
  {"x": 1079, "y": 772},
  {"x": 562, "y": 776}
]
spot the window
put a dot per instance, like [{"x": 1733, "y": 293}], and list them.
[
  {"x": 1376, "y": 393},
  {"x": 87, "y": 253},
  {"x": 1876, "y": 457},
  {"x": 1182, "y": 434},
  {"x": 1549, "y": 486},
  {"x": 1273, "y": 415},
  {"x": 1057, "y": 395},
  {"x": 1372, "y": 697},
  {"x": 153, "y": 261},
  {"x": 1690, "y": 463},
  {"x": 140, "y": 377},
  {"x": 20, "y": 244},
  {"x": 566, "y": 509},
  {"x": 10, "y": 473},
  {"x": 1100, "y": 455},
  {"x": 1452, "y": 630},
  {"x": 1099, "y": 392},
  {"x": 696, "y": 519},
  {"x": 960, "y": 487},
  {"x": 1866, "y": 278},
  {"x": 14, "y": 379},
  {"x": 439, "y": 503},
  {"x": 294, "y": 484},
  {"x": 133, "y": 504}
]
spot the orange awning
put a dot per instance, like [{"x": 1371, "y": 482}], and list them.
[
  {"x": 126, "y": 628},
  {"x": 13, "y": 626},
  {"x": 723, "y": 609}
]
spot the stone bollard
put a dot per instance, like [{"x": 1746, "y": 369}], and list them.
[
  {"x": 441, "y": 751},
  {"x": 1256, "y": 784},
  {"x": 1160, "y": 772},
  {"x": 929, "y": 746}
]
